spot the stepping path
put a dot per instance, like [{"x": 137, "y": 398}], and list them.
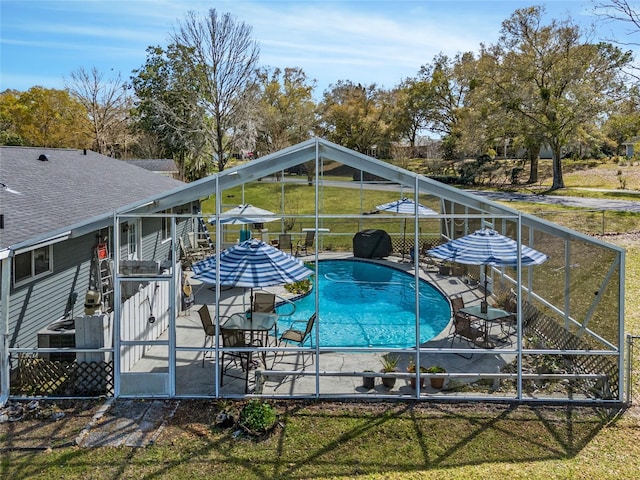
[{"x": 132, "y": 423}]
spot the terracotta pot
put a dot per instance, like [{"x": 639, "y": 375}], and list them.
[
  {"x": 412, "y": 382},
  {"x": 436, "y": 382}
]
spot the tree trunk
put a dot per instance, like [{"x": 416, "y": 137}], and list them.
[
  {"x": 558, "y": 181},
  {"x": 534, "y": 157}
]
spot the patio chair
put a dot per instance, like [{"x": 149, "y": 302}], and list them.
[
  {"x": 208, "y": 326},
  {"x": 284, "y": 242},
  {"x": 264, "y": 302},
  {"x": 233, "y": 338},
  {"x": 293, "y": 335},
  {"x": 308, "y": 243},
  {"x": 456, "y": 304},
  {"x": 463, "y": 327}
]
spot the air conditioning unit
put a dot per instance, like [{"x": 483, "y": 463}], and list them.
[{"x": 54, "y": 337}]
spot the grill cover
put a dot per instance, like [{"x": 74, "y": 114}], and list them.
[{"x": 372, "y": 244}]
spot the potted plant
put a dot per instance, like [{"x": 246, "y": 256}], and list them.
[
  {"x": 436, "y": 382},
  {"x": 389, "y": 364},
  {"x": 368, "y": 382},
  {"x": 411, "y": 368}
]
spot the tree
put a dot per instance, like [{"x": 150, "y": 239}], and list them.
[
  {"x": 413, "y": 107},
  {"x": 107, "y": 105},
  {"x": 223, "y": 60},
  {"x": 621, "y": 11},
  {"x": 449, "y": 81},
  {"x": 355, "y": 117},
  {"x": 9, "y": 109},
  {"x": 286, "y": 111},
  {"x": 548, "y": 76},
  {"x": 168, "y": 108},
  {"x": 625, "y": 122},
  {"x": 43, "y": 117}
]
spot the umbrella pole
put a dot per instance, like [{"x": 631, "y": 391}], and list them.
[
  {"x": 404, "y": 238},
  {"x": 483, "y": 307}
]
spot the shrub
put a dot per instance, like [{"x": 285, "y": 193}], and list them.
[
  {"x": 299, "y": 287},
  {"x": 257, "y": 416}
]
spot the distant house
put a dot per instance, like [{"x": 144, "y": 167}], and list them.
[
  {"x": 163, "y": 166},
  {"x": 56, "y": 207},
  {"x": 629, "y": 151}
]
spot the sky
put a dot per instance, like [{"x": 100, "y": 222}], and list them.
[{"x": 378, "y": 42}]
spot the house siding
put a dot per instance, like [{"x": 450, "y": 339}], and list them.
[
  {"x": 40, "y": 302},
  {"x": 36, "y": 304}
]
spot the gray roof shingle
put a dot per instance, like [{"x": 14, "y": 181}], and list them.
[
  {"x": 166, "y": 165},
  {"x": 42, "y": 196}
]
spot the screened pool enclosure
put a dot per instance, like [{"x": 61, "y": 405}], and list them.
[{"x": 550, "y": 331}]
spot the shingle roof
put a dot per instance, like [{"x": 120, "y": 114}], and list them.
[
  {"x": 166, "y": 165},
  {"x": 42, "y": 196}
]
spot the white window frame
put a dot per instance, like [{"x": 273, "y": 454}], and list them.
[
  {"x": 133, "y": 240},
  {"x": 34, "y": 276},
  {"x": 165, "y": 227}
]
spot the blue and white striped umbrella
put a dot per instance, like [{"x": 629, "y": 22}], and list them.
[
  {"x": 487, "y": 247},
  {"x": 252, "y": 264},
  {"x": 405, "y": 205}
]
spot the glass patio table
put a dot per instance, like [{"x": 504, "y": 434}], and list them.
[
  {"x": 256, "y": 324},
  {"x": 491, "y": 315}
]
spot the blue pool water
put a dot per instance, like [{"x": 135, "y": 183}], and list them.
[{"x": 363, "y": 304}]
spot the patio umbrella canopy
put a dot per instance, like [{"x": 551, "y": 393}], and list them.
[
  {"x": 487, "y": 247},
  {"x": 407, "y": 206},
  {"x": 244, "y": 214},
  {"x": 251, "y": 264}
]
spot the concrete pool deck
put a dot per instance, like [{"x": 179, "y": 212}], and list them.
[{"x": 341, "y": 372}]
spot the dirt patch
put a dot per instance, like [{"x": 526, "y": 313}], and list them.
[{"x": 44, "y": 424}]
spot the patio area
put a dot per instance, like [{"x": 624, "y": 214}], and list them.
[{"x": 293, "y": 373}]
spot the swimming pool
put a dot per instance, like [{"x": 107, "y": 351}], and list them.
[{"x": 364, "y": 304}]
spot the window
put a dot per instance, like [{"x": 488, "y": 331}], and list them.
[
  {"x": 132, "y": 241},
  {"x": 165, "y": 229},
  {"x": 32, "y": 264}
]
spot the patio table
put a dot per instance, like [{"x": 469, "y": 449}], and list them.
[
  {"x": 256, "y": 324},
  {"x": 491, "y": 315}
]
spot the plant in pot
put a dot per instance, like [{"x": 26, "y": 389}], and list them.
[
  {"x": 411, "y": 368},
  {"x": 368, "y": 382},
  {"x": 436, "y": 382},
  {"x": 389, "y": 364}
]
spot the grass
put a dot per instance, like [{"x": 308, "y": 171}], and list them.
[{"x": 390, "y": 441}]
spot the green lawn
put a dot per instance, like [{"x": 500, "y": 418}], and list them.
[{"x": 383, "y": 441}]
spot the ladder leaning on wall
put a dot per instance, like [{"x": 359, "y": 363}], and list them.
[{"x": 101, "y": 277}]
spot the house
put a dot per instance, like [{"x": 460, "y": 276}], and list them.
[
  {"x": 163, "y": 166},
  {"x": 629, "y": 146},
  {"x": 571, "y": 307},
  {"x": 56, "y": 207}
]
